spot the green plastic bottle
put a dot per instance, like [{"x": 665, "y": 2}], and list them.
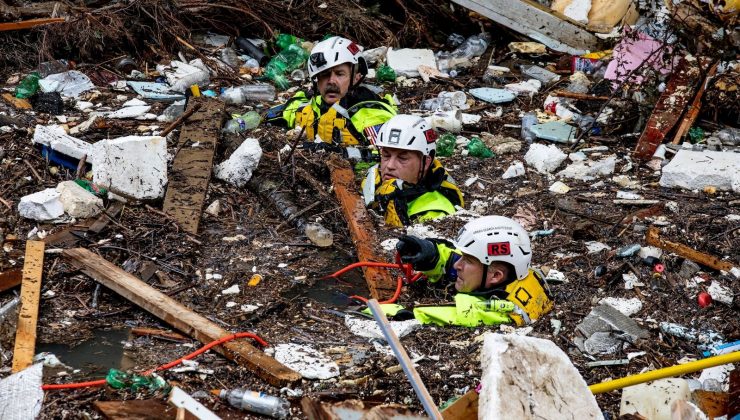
[
  {"x": 282, "y": 41},
  {"x": 696, "y": 134},
  {"x": 446, "y": 145},
  {"x": 477, "y": 148},
  {"x": 287, "y": 60},
  {"x": 385, "y": 74},
  {"x": 118, "y": 379},
  {"x": 28, "y": 86}
]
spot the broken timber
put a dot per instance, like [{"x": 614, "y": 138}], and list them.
[
  {"x": 25, "y": 337},
  {"x": 137, "y": 409},
  {"x": 694, "y": 108},
  {"x": 668, "y": 109},
  {"x": 71, "y": 235},
  {"x": 191, "y": 169},
  {"x": 466, "y": 407},
  {"x": 360, "y": 227},
  {"x": 179, "y": 316},
  {"x": 537, "y": 22},
  {"x": 26, "y": 24},
  {"x": 653, "y": 238},
  {"x": 10, "y": 279}
]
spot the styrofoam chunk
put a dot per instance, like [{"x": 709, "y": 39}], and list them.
[
  {"x": 77, "y": 201},
  {"x": 57, "y": 139},
  {"x": 544, "y": 159},
  {"x": 238, "y": 168},
  {"x": 406, "y": 61},
  {"x": 306, "y": 360},
  {"x": 133, "y": 166},
  {"x": 43, "y": 205},
  {"x": 653, "y": 399},
  {"x": 527, "y": 378},
  {"x": 695, "y": 170}
]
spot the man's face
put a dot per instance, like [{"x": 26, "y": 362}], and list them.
[
  {"x": 469, "y": 273},
  {"x": 334, "y": 83},
  {"x": 402, "y": 164}
]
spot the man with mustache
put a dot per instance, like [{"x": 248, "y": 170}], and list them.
[
  {"x": 409, "y": 185},
  {"x": 489, "y": 267},
  {"x": 344, "y": 113}
]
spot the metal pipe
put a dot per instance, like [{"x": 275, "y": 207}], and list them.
[{"x": 404, "y": 360}]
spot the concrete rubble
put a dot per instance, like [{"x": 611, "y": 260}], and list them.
[
  {"x": 77, "y": 201},
  {"x": 238, "y": 168}
]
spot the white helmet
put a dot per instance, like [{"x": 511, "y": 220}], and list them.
[
  {"x": 408, "y": 132},
  {"x": 497, "y": 238},
  {"x": 333, "y": 52}
]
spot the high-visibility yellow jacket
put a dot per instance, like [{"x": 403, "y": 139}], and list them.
[
  {"x": 402, "y": 203},
  {"x": 354, "y": 120}
]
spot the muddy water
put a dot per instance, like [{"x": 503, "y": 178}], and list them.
[
  {"x": 333, "y": 292},
  {"x": 94, "y": 356}
]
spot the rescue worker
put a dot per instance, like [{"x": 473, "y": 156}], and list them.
[
  {"x": 344, "y": 113},
  {"x": 409, "y": 184},
  {"x": 489, "y": 264}
]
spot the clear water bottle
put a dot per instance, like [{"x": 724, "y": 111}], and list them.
[
  {"x": 528, "y": 120},
  {"x": 472, "y": 47},
  {"x": 230, "y": 57},
  {"x": 256, "y": 402},
  {"x": 319, "y": 235},
  {"x": 240, "y": 94},
  {"x": 243, "y": 122}
]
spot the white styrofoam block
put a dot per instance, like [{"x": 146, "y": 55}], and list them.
[
  {"x": 70, "y": 83},
  {"x": 130, "y": 111},
  {"x": 54, "y": 137},
  {"x": 628, "y": 307},
  {"x": 578, "y": 10},
  {"x": 77, "y": 201},
  {"x": 43, "y": 205},
  {"x": 306, "y": 360},
  {"x": 406, "y": 61},
  {"x": 515, "y": 169},
  {"x": 238, "y": 168},
  {"x": 21, "y": 395},
  {"x": 653, "y": 399},
  {"x": 527, "y": 378},
  {"x": 368, "y": 328},
  {"x": 134, "y": 102},
  {"x": 587, "y": 170},
  {"x": 695, "y": 170},
  {"x": 544, "y": 159},
  {"x": 133, "y": 166}
]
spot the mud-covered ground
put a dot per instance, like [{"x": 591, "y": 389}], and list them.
[{"x": 294, "y": 306}]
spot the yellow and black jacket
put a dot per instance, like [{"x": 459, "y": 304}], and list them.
[
  {"x": 354, "y": 120},
  {"x": 403, "y": 204},
  {"x": 530, "y": 296}
]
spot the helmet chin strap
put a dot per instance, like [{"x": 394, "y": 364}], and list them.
[{"x": 485, "y": 274}]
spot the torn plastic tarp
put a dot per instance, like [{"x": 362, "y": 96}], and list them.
[
  {"x": 21, "y": 395},
  {"x": 634, "y": 49}
]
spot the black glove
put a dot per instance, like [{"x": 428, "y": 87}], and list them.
[{"x": 422, "y": 254}]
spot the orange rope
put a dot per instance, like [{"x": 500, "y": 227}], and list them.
[
  {"x": 406, "y": 268},
  {"x": 166, "y": 366}
]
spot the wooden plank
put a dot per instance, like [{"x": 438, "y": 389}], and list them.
[
  {"x": 17, "y": 102},
  {"x": 70, "y": 235},
  {"x": 25, "y": 336},
  {"x": 537, "y": 22},
  {"x": 361, "y": 228},
  {"x": 158, "y": 333},
  {"x": 653, "y": 238},
  {"x": 668, "y": 108},
  {"x": 10, "y": 279},
  {"x": 466, "y": 407},
  {"x": 713, "y": 404},
  {"x": 26, "y": 24},
  {"x": 179, "y": 316},
  {"x": 694, "y": 108},
  {"x": 191, "y": 169},
  {"x": 136, "y": 409}
]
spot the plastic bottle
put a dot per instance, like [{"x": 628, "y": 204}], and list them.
[
  {"x": 119, "y": 380},
  {"x": 478, "y": 149},
  {"x": 319, "y": 235},
  {"x": 286, "y": 60},
  {"x": 240, "y": 94},
  {"x": 283, "y": 41},
  {"x": 53, "y": 67},
  {"x": 455, "y": 40},
  {"x": 243, "y": 122},
  {"x": 230, "y": 57},
  {"x": 28, "y": 86},
  {"x": 528, "y": 120},
  {"x": 385, "y": 74},
  {"x": 256, "y": 402},
  {"x": 446, "y": 145},
  {"x": 473, "y": 46}
]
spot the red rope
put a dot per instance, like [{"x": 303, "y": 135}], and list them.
[
  {"x": 407, "y": 270},
  {"x": 166, "y": 366}
]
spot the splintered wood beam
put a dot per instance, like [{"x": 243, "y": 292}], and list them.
[
  {"x": 694, "y": 108},
  {"x": 653, "y": 238},
  {"x": 361, "y": 228},
  {"x": 466, "y": 407},
  {"x": 193, "y": 164},
  {"x": 25, "y": 336},
  {"x": 179, "y": 316}
]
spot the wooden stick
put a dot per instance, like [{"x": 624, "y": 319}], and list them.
[
  {"x": 33, "y": 171},
  {"x": 184, "y": 116},
  {"x": 14, "y": 26},
  {"x": 179, "y": 316},
  {"x": 653, "y": 238},
  {"x": 158, "y": 333},
  {"x": 404, "y": 360},
  {"x": 360, "y": 226},
  {"x": 579, "y": 96},
  {"x": 25, "y": 336}
]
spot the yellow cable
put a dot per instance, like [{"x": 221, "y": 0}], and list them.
[{"x": 676, "y": 370}]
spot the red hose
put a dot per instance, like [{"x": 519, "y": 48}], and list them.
[
  {"x": 406, "y": 268},
  {"x": 101, "y": 382}
]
